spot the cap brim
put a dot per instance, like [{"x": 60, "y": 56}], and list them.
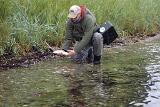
[{"x": 72, "y": 16}]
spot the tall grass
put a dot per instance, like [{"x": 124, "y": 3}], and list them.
[{"x": 27, "y": 23}]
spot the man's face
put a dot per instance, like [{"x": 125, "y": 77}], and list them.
[{"x": 76, "y": 18}]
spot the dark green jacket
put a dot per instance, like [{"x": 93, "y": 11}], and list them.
[{"x": 81, "y": 31}]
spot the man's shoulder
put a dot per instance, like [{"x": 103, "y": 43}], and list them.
[
  {"x": 89, "y": 17},
  {"x": 89, "y": 14}
]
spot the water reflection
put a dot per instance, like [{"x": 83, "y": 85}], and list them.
[
  {"x": 128, "y": 77},
  {"x": 32, "y": 87},
  {"x": 152, "y": 86},
  {"x": 87, "y": 86}
]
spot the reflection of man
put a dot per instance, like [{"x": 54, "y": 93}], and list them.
[
  {"x": 81, "y": 28},
  {"x": 86, "y": 86}
]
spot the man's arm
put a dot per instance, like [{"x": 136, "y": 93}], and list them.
[
  {"x": 68, "y": 36},
  {"x": 89, "y": 27}
]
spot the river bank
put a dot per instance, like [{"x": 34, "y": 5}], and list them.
[{"x": 9, "y": 61}]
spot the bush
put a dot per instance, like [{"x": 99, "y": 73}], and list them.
[{"x": 27, "y": 23}]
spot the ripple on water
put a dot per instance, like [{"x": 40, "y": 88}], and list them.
[{"x": 153, "y": 69}]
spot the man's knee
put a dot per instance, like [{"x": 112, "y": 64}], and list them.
[{"x": 97, "y": 36}]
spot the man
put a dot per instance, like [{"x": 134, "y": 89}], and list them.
[{"x": 81, "y": 28}]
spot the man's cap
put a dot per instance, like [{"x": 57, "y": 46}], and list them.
[{"x": 74, "y": 11}]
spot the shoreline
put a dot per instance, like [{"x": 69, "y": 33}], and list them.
[{"x": 10, "y": 61}]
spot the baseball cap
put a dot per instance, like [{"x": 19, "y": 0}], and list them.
[{"x": 74, "y": 11}]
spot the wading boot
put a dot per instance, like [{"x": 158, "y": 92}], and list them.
[
  {"x": 89, "y": 58},
  {"x": 97, "y": 60}
]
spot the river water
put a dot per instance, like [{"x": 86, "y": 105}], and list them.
[
  {"x": 129, "y": 76},
  {"x": 152, "y": 86}
]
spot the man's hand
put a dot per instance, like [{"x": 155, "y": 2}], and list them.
[
  {"x": 71, "y": 53},
  {"x": 61, "y": 53}
]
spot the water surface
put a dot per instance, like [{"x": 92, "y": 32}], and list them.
[{"x": 128, "y": 76}]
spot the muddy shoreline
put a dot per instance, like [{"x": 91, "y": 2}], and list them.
[{"x": 9, "y": 61}]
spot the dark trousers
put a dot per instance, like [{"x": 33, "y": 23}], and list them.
[{"x": 95, "y": 48}]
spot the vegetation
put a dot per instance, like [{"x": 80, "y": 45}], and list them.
[{"x": 28, "y": 23}]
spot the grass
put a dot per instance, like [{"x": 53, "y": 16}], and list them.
[{"x": 27, "y": 23}]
